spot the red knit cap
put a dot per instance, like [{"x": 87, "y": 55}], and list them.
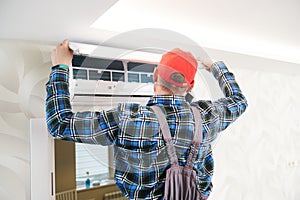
[{"x": 181, "y": 62}]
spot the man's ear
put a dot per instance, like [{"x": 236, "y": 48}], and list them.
[{"x": 155, "y": 75}]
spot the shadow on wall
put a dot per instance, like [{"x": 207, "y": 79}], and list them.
[{"x": 24, "y": 73}]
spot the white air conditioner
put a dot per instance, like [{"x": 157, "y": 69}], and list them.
[{"x": 100, "y": 86}]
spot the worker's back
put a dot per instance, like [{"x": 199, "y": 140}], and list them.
[{"x": 141, "y": 159}]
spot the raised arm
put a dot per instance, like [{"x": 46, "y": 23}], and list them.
[
  {"x": 229, "y": 108},
  {"x": 85, "y": 127}
]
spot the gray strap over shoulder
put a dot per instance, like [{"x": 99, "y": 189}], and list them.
[
  {"x": 198, "y": 137},
  {"x": 168, "y": 138},
  {"x": 166, "y": 133}
]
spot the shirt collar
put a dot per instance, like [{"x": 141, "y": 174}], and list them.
[{"x": 166, "y": 100}]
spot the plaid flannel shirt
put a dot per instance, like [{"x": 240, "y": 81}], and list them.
[{"x": 141, "y": 160}]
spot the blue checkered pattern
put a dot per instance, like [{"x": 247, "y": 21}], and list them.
[{"x": 140, "y": 154}]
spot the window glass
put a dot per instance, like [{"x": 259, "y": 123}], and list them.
[{"x": 92, "y": 159}]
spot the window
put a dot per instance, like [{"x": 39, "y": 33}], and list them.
[{"x": 93, "y": 159}]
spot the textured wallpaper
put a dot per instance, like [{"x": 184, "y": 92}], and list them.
[
  {"x": 256, "y": 158},
  {"x": 24, "y": 71}
]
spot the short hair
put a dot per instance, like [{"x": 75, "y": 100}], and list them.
[{"x": 176, "y": 77}]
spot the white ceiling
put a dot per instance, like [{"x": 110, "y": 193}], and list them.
[{"x": 267, "y": 28}]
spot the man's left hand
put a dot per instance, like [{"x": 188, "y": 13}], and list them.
[{"x": 62, "y": 54}]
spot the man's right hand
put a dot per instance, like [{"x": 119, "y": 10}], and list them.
[{"x": 207, "y": 62}]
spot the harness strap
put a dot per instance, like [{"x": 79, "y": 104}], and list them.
[{"x": 168, "y": 138}]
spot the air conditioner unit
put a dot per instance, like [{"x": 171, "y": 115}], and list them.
[{"x": 102, "y": 77}]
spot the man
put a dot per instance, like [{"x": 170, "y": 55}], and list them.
[{"x": 141, "y": 160}]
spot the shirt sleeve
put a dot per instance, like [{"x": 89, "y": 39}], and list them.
[
  {"x": 225, "y": 110},
  {"x": 84, "y": 127}
]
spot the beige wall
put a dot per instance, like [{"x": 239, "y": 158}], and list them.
[
  {"x": 23, "y": 73},
  {"x": 256, "y": 158}
]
